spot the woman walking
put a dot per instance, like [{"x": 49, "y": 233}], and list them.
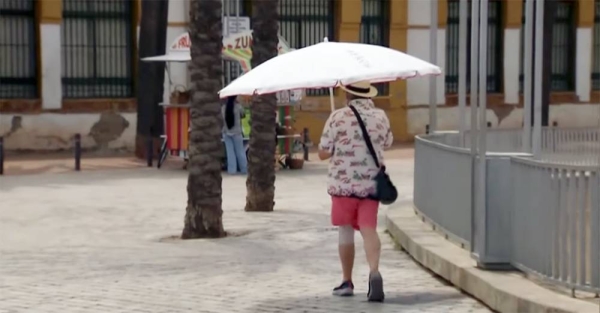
[{"x": 233, "y": 137}]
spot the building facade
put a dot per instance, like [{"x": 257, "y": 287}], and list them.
[{"x": 69, "y": 66}]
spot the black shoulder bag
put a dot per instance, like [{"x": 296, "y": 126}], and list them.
[{"x": 386, "y": 192}]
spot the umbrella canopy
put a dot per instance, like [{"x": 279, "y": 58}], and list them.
[
  {"x": 329, "y": 64},
  {"x": 171, "y": 57}
]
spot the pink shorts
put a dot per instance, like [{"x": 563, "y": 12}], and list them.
[{"x": 352, "y": 211}]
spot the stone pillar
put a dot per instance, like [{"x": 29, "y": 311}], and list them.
[
  {"x": 50, "y": 18},
  {"x": 584, "y": 49},
  {"x": 513, "y": 14}
]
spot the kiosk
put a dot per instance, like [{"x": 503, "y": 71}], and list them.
[{"x": 236, "y": 47}]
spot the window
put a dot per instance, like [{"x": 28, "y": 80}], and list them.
[
  {"x": 229, "y": 7},
  {"x": 306, "y": 22},
  {"x": 18, "y": 65},
  {"x": 375, "y": 27},
  {"x": 97, "y": 49},
  {"x": 495, "y": 46},
  {"x": 563, "y": 47},
  {"x": 596, "y": 56}
]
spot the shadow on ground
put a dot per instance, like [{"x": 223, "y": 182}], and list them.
[{"x": 357, "y": 304}]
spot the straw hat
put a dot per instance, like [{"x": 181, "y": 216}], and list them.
[{"x": 362, "y": 89}]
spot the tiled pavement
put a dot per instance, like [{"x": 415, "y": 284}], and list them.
[{"x": 100, "y": 242}]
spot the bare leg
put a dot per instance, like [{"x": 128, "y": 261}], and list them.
[
  {"x": 372, "y": 247},
  {"x": 347, "y": 258},
  {"x": 373, "y": 251},
  {"x": 346, "y": 251}
]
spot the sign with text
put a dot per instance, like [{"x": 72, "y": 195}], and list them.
[{"x": 234, "y": 25}]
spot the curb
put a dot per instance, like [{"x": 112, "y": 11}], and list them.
[{"x": 502, "y": 291}]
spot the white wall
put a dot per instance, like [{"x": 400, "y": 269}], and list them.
[
  {"x": 50, "y": 131},
  {"x": 583, "y": 63},
  {"x": 51, "y": 58},
  {"x": 512, "y": 65}
]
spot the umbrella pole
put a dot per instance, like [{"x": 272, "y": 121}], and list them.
[{"x": 331, "y": 99}]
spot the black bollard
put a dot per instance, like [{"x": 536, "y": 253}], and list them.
[
  {"x": 1, "y": 155},
  {"x": 305, "y": 143},
  {"x": 489, "y": 124},
  {"x": 427, "y": 129},
  {"x": 77, "y": 152},
  {"x": 149, "y": 151}
]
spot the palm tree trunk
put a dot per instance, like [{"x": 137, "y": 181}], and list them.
[
  {"x": 203, "y": 217},
  {"x": 261, "y": 157}
]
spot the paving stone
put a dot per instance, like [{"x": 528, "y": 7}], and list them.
[{"x": 99, "y": 242}]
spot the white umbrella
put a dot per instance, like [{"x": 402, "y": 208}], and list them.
[
  {"x": 171, "y": 57},
  {"x": 329, "y": 65}
]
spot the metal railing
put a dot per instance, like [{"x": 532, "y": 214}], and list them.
[
  {"x": 556, "y": 222},
  {"x": 18, "y": 65},
  {"x": 550, "y": 208},
  {"x": 564, "y": 145},
  {"x": 441, "y": 183}
]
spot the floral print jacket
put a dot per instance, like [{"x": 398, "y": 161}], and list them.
[{"x": 351, "y": 167}]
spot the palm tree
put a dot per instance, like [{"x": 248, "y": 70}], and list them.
[
  {"x": 203, "y": 217},
  {"x": 261, "y": 155}
]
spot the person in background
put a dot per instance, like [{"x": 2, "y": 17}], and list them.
[
  {"x": 350, "y": 183},
  {"x": 232, "y": 136}
]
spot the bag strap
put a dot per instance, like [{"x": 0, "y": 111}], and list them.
[{"x": 366, "y": 136}]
